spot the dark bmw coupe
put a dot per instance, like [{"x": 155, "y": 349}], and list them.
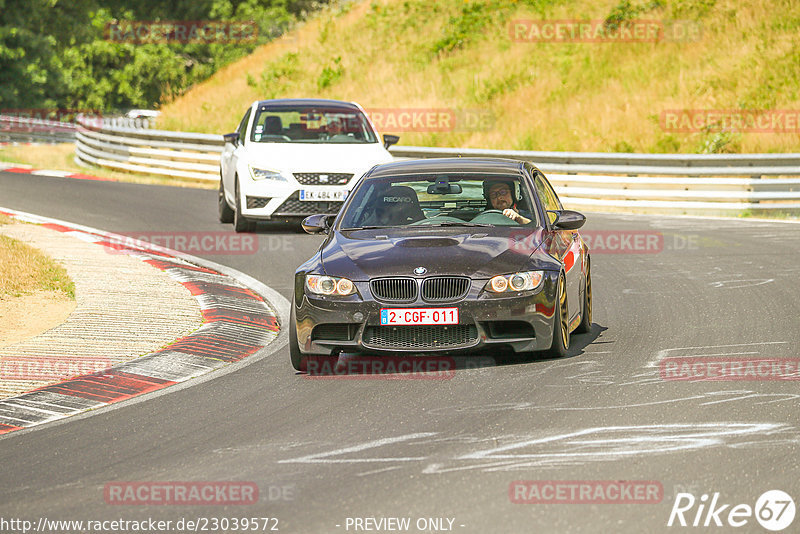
[{"x": 443, "y": 256}]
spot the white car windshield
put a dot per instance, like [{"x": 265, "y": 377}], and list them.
[{"x": 305, "y": 124}]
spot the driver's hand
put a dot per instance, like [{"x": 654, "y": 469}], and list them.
[{"x": 516, "y": 217}]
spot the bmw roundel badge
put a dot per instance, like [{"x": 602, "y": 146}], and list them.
[{"x": 420, "y": 270}]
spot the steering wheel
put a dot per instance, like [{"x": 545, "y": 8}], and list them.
[{"x": 495, "y": 217}]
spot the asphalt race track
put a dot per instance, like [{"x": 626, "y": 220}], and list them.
[{"x": 323, "y": 451}]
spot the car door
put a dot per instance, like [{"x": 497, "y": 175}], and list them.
[
  {"x": 229, "y": 158},
  {"x": 565, "y": 245}
]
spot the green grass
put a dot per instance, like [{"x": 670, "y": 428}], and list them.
[
  {"x": 581, "y": 96},
  {"x": 24, "y": 270}
]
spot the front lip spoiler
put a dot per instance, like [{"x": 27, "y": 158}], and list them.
[{"x": 534, "y": 311}]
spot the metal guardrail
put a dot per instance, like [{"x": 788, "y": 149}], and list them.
[
  {"x": 32, "y": 130},
  {"x": 675, "y": 183},
  {"x": 20, "y": 128},
  {"x": 624, "y": 163},
  {"x": 116, "y": 145}
]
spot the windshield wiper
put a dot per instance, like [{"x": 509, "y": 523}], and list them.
[
  {"x": 367, "y": 227},
  {"x": 451, "y": 223}
]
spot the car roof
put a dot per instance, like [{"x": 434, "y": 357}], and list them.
[
  {"x": 448, "y": 165},
  {"x": 309, "y": 102}
]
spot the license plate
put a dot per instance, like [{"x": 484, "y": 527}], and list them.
[
  {"x": 416, "y": 316},
  {"x": 316, "y": 194}
]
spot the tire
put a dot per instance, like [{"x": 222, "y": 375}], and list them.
[
  {"x": 294, "y": 348},
  {"x": 225, "y": 211},
  {"x": 586, "y": 313},
  {"x": 300, "y": 360},
  {"x": 240, "y": 223},
  {"x": 560, "y": 345}
]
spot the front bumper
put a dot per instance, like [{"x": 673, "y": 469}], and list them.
[
  {"x": 523, "y": 323},
  {"x": 271, "y": 199},
  {"x": 258, "y": 206}
]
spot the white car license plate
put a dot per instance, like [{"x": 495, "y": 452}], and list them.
[
  {"x": 416, "y": 316},
  {"x": 317, "y": 194}
]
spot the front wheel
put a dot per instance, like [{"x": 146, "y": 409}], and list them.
[
  {"x": 240, "y": 223},
  {"x": 586, "y": 313},
  {"x": 560, "y": 345},
  {"x": 298, "y": 362},
  {"x": 225, "y": 211}
]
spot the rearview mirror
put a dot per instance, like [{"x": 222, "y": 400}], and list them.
[
  {"x": 317, "y": 224},
  {"x": 568, "y": 220},
  {"x": 389, "y": 140},
  {"x": 232, "y": 138},
  {"x": 445, "y": 189}
]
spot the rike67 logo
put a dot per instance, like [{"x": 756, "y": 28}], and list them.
[{"x": 774, "y": 510}]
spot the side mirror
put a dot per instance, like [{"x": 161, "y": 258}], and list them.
[
  {"x": 317, "y": 224},
  {"x": 568, "y": 220},
  {"x": 232, "y": 138},
  {"x": 389, "y": 140}
]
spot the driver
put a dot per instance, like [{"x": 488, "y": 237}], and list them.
[
  {"x": 499, "y": 195},
  {"x": 335, "y": 129}
]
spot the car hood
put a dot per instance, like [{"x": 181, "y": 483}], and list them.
[
  {"x": 364, "y": 254},
  {"x": 307, "y": 157}
]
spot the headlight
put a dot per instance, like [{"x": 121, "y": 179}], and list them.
[
  {"x": 508, "y": 283},
  {"x": 329, "y": 285},
  {"x": 266, "y": 174}
]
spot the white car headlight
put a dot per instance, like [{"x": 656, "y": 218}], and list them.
[
  {"x": 509, "y": 283},
  {"x": 329, "y": 285},
  {"x": 266, "y": 174}
]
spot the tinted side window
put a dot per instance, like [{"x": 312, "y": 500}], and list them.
[
  {"x": 547, "y": 196},
  {"x": 243, "y": 127}
]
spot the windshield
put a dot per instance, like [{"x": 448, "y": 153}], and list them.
[
  {"x": 305, "y": 124},
  {"x": 440, "y": 200}
]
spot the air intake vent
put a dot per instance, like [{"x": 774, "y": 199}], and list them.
[
  {"x": 323, "y": 178},
  {"x": 257, "y": 202},
  {"x": 420, "y": 337},
  {"x": 444, "y": 288},
  {"x": 294, "y": 206},
  {"x": 335, "y": 331},
  {"x": 394, "y": 289}
]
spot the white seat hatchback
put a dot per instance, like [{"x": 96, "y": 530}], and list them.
[{"x": 291, "y": 158}]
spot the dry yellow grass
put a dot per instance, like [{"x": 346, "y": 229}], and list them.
[
  {"x": 546, "y": 96},
  {"x": 61, "y": 157},
  {"x": 24, "y": 270}
]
